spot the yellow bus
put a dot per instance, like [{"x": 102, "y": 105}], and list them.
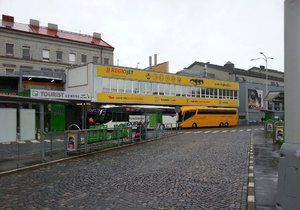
[{"x": 201, "y": 116}]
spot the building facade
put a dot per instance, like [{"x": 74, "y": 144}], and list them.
[
  {"x": 35, "y": 56},
  {"x": 252, "y": 86}
]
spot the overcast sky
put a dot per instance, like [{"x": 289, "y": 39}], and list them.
[{"x": 180, "y": 32}]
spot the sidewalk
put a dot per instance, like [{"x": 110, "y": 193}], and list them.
[{"x": 266, "y": 158}]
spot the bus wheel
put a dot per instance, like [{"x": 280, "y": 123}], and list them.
[
  {"x": 221, "y": 124},
  {"x": 226, "y": 124},
  {"x": 194, "y": 125}
]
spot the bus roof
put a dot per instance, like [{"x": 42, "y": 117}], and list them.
[{"x": 185, "y": 108}]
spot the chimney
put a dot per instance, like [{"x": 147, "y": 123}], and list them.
[
  {"x": 229, "y": 65},
  {"x": 96, "y": 35},
  {"x": 155, "y": 59},
  {"x": 35, "y": 23},
  {"x": 150, "y": 62},
  {"x": 8, "y": 18},
  {"x": 52, "y": 27}
]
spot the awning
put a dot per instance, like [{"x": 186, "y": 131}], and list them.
[{"x": 275, "y": 96}]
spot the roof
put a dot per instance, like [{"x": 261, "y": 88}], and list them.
[
  {"x": 58, "y": 34},
  {"x": 237, "y": 71},
  {"x": 275, "y": 96}
]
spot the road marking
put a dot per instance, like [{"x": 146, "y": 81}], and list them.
[
  {"x": 35, "y": 141},
  {"x": 251, "y": 167},
  {"x": 216, "y": 132},
  {"x": 47, "y": 140},
  {"x": 198, "y": 132},
  {"x": 6, "y": 142},
  {"x": 233, "y": 131},
  {"x": 21, "y": 142},
  {"x": 181, "y": 132},
  {"x": 251, "y": 198},
  {"x": 225, "y": 131},
  {"x": 59, "y": 140},
  {"x": 256, "y": 129},
  {"x": 207, "y": 132},
  {"x": 249, "y": 129},
  {"x": 251, "y": 184},
  {"x": 262, "y": 129},
  {"x": 250, "y": 174},
  {"x": 241, "y": 130}
]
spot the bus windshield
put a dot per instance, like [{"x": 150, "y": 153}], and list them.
[{"x": 189, "y": 114}]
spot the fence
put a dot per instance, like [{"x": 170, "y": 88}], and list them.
[{"x": 56, "y": 145}]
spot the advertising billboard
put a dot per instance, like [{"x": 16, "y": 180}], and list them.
[{"x": 255, "y": 99}]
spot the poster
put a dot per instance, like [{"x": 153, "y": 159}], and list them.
[
  {"x": 255, "y": 99},
  {"x": 72, "y": 141},
  {"x": 279, "y": 133}
]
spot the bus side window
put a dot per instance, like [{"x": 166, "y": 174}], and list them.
[{"x": 189, "y": 114}]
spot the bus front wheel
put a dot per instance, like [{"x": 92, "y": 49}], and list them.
[{"x": 194, "y": 125}]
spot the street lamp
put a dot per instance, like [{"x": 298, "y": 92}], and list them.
[{"x": 265, "y": 58}]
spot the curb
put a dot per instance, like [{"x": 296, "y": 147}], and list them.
[
  {"x": 82, "y": 155},
  {"x": 250, "y": 184}
]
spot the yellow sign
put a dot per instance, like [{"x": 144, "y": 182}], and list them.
[
  {"x": 163, "y": 100},
  {"x": 151, "y": 76}
]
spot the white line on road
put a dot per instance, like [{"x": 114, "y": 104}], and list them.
[
  {"x": 47, "y": 140},
  {"x": 256, "y": 129},
  {"x": 21, "y": 142},
  {"x": 207, "y": 132},
  {"x": 251, "y": 198},
  {"x": 225, "y": 131},
  {"x": 6, "y": 142},
  {"x": 249, "y": 129},
  {"x": 233, "y": 131},
  {"x": 35, "y": 141},
  {"x": 262, "y": 129},
  {"x": 241, "y": 130},
  {"x": 216, "y": 132},
  {"x": 59, "y": 140}
]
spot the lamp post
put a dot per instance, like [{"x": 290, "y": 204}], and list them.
[{"x": 265, "y": 58}]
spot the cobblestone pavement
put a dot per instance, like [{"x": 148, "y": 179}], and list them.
[{"x": 189, "y": 171}]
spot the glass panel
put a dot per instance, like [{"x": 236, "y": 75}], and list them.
[
  {"x": 26, "y": 52},
  {"x": 215, "y": 93},
  {"x": 167, "y": 89},
  {"x": 154, "y": 88},
  {"x": 113, "y": 85},
  {"x": 142, "y": 87},
  {"x": 178, "y": 90},
  {"x": 148, "y": 87},
  {"x": 193, "y": 91},
  {"x": 203, "y": 92},
  {"x": 128, "y": 86},
  {"x": 72, "y": 58},
  {"x": 172, "y": 90},
  {"x": 207, "y": 93},
  {"x": 183, "y": 90},
  {"x": 105, "y": 85},
  {"x": 198, "y": 92},
  {"x": 121, "y": 86},
  {"x": 135, "y": 85},
  {"x": 161, "y": 89}
]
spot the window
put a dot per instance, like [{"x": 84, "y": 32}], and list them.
[
  {"x": 215, "y": 93},
  {"x": 46, "y": 55},
  {"x": 59, "y": 56},
  {"x": 154, "y": 88},
  {"x": 183, "y": 90},
  {"x": 178, "y": 90},
  {"x": 207, "y": 93},
  {"x": 211, "y": 92},
  {"x": 276, "y": 106},
  {"x": 167, "y": 89},
  {"x": 193, "y": 92},
  {"x": 106, "y": 61},
  {"x": 95, "y": 59},
  {"x": 172, "y": 90},
  {"x": 72, "y": 58},
  {"x": 83, "y": 58},
  {"x": 142, "y": 87},
  {"x": 217, "y": 111},
  {"x": 9, "y": 49},
  {"x": 105, "y": 85},
  {"x": 235, "y": 94},
  {"x": 121, "y": 86},
  {"x": 189, "y": 114},
  {"x": 26, "y": 52},
  {"x": 128, "y": 86},
  {"x": 148, "y": 88},
  {"x": 161, "y": 89},
  {"x": 188, "y": 91},
  {"x": 113, "y": 85},
  {"x": 220, "y": 93},
  {"x": 136, "y": 88},
  {"x": 198, "y": 92},
  {"x": 203, "y": 92}
]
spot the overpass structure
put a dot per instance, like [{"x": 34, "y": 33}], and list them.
[{"x": 121, "y": 85}]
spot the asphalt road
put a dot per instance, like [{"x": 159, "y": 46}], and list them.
[{"x": 199, "y": 169}]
